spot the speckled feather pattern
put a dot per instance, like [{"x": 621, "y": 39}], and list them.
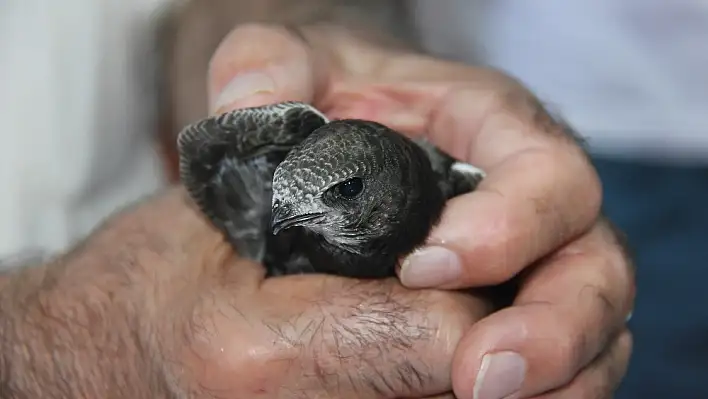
[
  {"x": 227, "y": 163},
  {"x": 239, "y": 165},
  {"x": 324, "y": 159}
]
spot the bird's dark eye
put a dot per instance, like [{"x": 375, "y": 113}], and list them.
[{"x": 350, "y": 188}]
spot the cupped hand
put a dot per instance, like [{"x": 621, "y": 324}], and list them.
[
  {"x": 213, "y": 327},
  {"x": 535, "y": 216}
]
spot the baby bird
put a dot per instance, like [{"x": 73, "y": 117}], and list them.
[{"x": 303, "y": 194}]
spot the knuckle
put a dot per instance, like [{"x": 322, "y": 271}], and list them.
[
  {"x": 625, "y": 344},
  {"x": 602, "y": 308},
  {"x": 580, "y": 338},
  {"x": 511, "y": 97},
  {"x": 611, "y": 368},
  {"x": 581, "y": 182},
  {"x": 618, "y": 267},
  {"x": 571, "y": 348}
]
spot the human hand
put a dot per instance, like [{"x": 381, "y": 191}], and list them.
[
  {"x": 536, "y": 216},
  {"x": 155, "y": 304}
]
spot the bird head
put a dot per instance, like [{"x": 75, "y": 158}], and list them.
[{"x": 352, "y": 182}]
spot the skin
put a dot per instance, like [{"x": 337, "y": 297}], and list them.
[
  {"x": 155, "y": 304},
  {"x": 536, "y": 214}
]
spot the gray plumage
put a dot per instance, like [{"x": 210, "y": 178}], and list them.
[{"x": 303, "y": 194}]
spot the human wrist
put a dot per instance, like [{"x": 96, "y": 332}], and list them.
[{"x": 66, "y": 336}]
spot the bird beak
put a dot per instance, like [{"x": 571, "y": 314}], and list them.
[{"x": 284, "y": 217}]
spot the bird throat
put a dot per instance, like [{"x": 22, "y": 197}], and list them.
[{"x": 358, "y": 260}]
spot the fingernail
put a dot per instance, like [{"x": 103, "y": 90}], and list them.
[
  {"x": 500, "y": 376},
  {"x": 430, "y": 267},
  {"x": 243, "y": 86}
]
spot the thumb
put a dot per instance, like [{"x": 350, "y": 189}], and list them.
[{"x": 259, "y": 64}]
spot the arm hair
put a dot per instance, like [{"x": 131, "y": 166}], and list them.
[{"x": 62, "y": 336}]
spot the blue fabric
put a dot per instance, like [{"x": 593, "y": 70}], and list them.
[{"x": 664, "y": 211}]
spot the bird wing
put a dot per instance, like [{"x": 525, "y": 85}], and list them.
[
  {"x": 227, "y": 164},
  {"x": 456, "y": 177}
]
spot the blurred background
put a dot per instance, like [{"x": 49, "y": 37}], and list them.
[{"x": 92, "y": 94}]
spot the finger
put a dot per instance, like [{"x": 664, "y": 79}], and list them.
[
  {"x": 376, "y": 339},
  {"x": 261, "y": 64},
  {"x": 602, "y": 377},
  {"x": 567, "y": 311},
  {"x": 540, "y": 192}
]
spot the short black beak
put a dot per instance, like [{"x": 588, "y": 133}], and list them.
[{"x": 283, "y": 217}]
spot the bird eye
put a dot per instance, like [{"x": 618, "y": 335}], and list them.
[{"x": 351, "y": 188}]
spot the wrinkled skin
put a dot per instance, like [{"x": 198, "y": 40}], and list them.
[
  {"x": 172, "y": 309},
  {"x": 536, "y": 214}
]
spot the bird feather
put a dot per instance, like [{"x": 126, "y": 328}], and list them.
[{"x": 228, "y": 164}]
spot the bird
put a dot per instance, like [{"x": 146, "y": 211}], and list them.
[{"x": 301, "y": 194}]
